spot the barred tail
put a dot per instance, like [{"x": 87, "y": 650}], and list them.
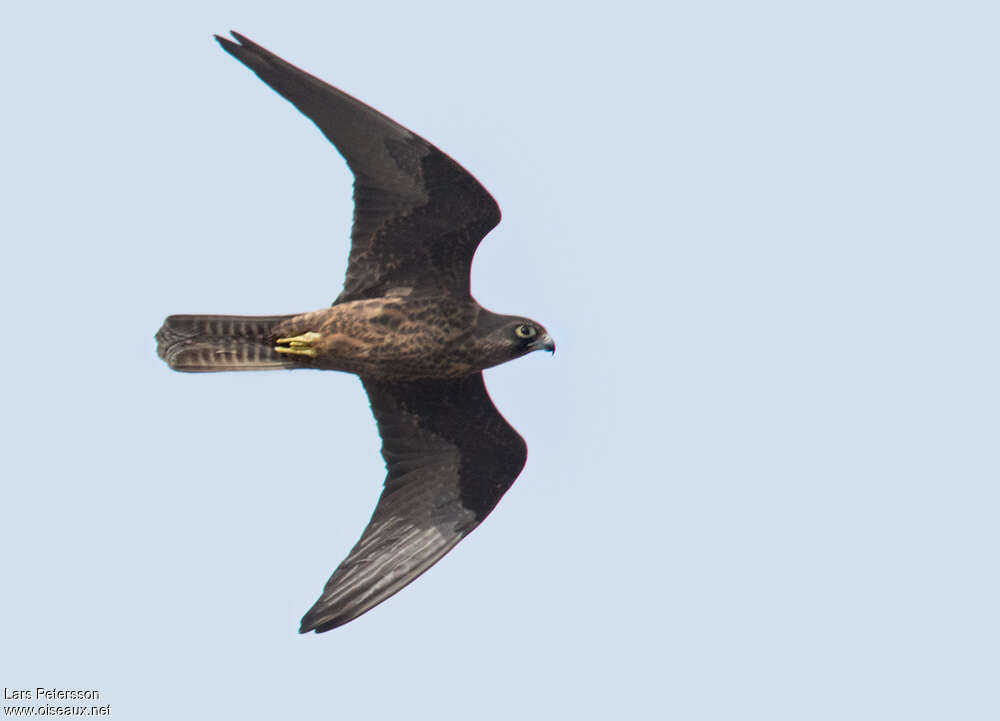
[{"x": 207, "y": 343}]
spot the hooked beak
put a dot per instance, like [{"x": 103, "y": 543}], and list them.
[{"x": 544, "y": 343}]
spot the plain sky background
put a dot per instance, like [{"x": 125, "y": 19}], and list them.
[{"x": 763, "y": 465}]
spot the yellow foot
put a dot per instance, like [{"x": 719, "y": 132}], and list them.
[{"x": 300, "y": 344}]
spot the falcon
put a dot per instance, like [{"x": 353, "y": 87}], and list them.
[{"x": 406, "y": 323}]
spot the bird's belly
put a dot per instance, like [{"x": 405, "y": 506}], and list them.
[
  {"x": 387, "y": 339},
  {"x": 394, "y": 356}
]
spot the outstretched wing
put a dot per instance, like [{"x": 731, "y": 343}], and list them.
[
  {"x": 450, "y": 456},
  {"x": 418, "y": 215}
]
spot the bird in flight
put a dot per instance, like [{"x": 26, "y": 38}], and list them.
[{"x": 406, "y": 323}]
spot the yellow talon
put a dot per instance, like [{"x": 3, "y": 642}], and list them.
[{"x": 300, "y": 344}]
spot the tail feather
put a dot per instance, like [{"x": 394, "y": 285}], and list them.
[{"x": 208, "y": 343}]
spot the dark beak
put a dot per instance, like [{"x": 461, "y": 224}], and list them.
[{"x": 544, "y": 343}]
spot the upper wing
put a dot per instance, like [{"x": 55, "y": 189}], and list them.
[
  {"x": 450, "y": 456},
  {"x": 418, "y": 215}
]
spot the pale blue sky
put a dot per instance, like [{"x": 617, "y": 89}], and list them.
[{"x": 763, "y": 466}]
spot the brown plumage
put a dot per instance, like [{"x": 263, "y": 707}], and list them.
[{"x": 407, "y": 324}]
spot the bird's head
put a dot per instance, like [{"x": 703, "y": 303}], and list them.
[{"x": 506, "y": 337}]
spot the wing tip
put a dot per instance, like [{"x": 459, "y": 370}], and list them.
[
  {"x": 242, "y": 42},
  {"x": 315, "y": 622},
  {"x": 228, "y": 45}
]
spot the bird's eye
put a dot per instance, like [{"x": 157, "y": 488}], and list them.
[{"x": 525, "y": 331}]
